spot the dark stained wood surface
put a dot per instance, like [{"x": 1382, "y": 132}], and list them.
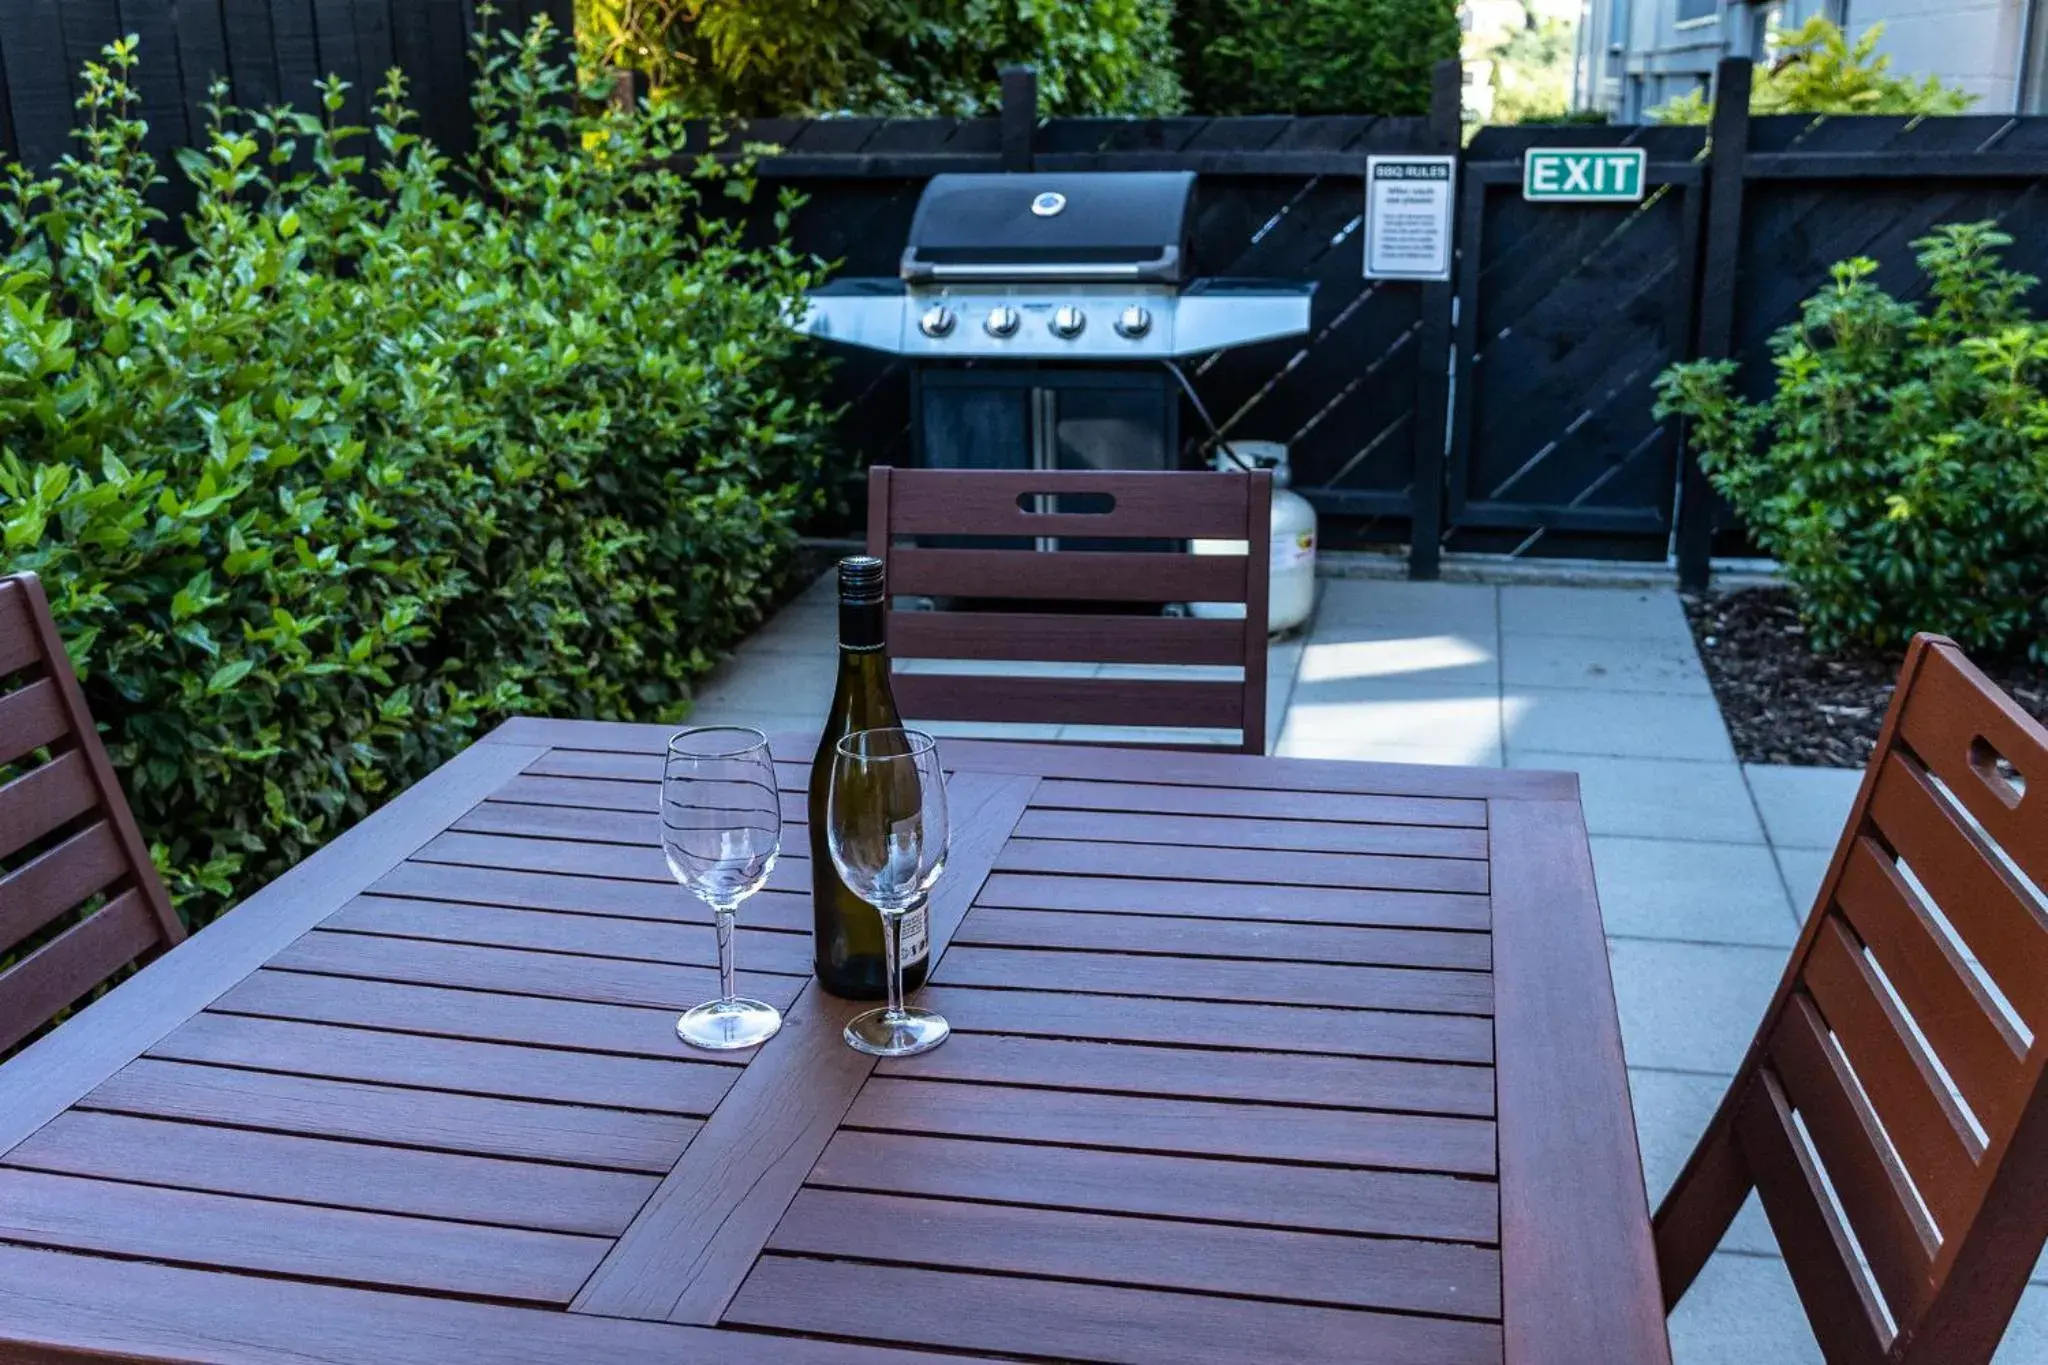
[{"x": 1247, "y": 1051}]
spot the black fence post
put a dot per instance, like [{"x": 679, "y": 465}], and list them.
[
  {"x": 1433, "y": 392},
  {"x": 1729, "y": 149},
  {"x": 1020, "y": 116}
]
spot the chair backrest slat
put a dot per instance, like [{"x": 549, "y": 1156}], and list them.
[
  {"x": 1070, "y": 701},
  {"x": 1157, "y": 513},
  {"x": 1893, "y": 1113},
  {"x": 66, "y": 876},
  {"x": 79, "y": 898},
  {"x": 1875, "y": 1192},
  {"x": 61, "y": 971},
  {"x": 1818, "y": 1252},
  {"x": 1065, "y": 639},
  {"x": 1069, "y": 576},
  {"x": 31, "y": 719}
]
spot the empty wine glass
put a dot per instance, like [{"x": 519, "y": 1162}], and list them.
[
  {"x": 721, "y": 827},
  {"x": 887, "y": 832}
]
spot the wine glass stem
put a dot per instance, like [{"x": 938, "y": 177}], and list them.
[
  {"x": 724, "y": 917},
  {"x": 892, "y": 922}
]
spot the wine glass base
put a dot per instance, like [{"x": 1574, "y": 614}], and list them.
[
  {"x": 722, "y": 1025},
  {"x": 904, "y": 1034}
]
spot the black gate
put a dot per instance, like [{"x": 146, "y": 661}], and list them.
[{"x": 1566, "y": 315}]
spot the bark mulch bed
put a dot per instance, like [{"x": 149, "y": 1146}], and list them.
[{"x": 1785, "y": 704}]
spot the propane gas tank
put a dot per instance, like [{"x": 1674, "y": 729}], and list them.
[{"x": 1293, "y": 576}]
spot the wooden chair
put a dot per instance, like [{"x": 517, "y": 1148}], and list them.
[
  {"x": 69, "y": 849},
  {"x": 1892, "y": 1113},
  {"x": 1093, "y": 507}
]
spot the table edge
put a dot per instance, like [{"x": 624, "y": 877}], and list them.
[
  {"x": 1579, "y": 1281},
  {"x": 53, "y": 1073}
]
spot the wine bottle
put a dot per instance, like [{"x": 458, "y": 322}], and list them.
[{"x": 848, "y": 931}]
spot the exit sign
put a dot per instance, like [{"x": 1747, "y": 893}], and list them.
[{"x": 1584, "y": 175}]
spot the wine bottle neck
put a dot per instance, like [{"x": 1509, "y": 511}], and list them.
[{"x": 863, "y": 628}]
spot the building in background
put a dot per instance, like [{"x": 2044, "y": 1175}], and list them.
[
  {"x": 1519, "y": 58},
  {"x": 1633, "y": 55}
]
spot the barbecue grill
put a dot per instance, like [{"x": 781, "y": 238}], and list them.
[{"x": 1042, "y": 314}]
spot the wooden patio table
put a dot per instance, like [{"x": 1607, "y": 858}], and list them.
[{"x": 1253, "y": 1059}]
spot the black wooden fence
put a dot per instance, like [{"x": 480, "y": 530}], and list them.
[{"x": 269, "y": 51}]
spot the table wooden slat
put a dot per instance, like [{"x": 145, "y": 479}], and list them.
[
  {"x": 1206, "y": 1073},
  {"x": 1276, "y": 1028},
  {"x": 1101, "y": 931},
  {"x": 1237, "y": 900},
  {"x": 478, "y": 1015},
  {"x": 505, "y": 1070},
  {"x": 612, "y": 1138},
  {"x": 1073, "y": 1321},
  {"x": 1304, "y": 1198},
  {"x": 1351, "y": 871},
  {"x": 555, "y": 976},
  {"x": 1060, "y": 794},
  {"x": 1120, "y": 827},
  {"x": 293, "y": 1239},
  {"x": 677, "y": 942},
  {"x": 1250, "y": 981},
  {"x": 1446, "y": 1278},
  {"x": 1414, "y": 1142},
  {"x": 350, "y": 1175}
]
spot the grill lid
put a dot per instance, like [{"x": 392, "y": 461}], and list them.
[{"x": 1125, "y": 226}]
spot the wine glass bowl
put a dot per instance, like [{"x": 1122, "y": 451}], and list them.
[
  {"x": 888, "y": 834},
  {"x": 721, "y": 829}
]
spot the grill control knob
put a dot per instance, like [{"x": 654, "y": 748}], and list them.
[
  {"x": 1002, "y": 321},
  {"x": 937, "y": 321},
  {"x": 1068, "y": 321},
  {"x": 1134, "y": 322}
]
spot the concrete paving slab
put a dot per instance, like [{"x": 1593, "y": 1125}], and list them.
[
  {"x": 1693, "y": 892},
  {"x": 1803, "y": 807},
  {"x": 1420, "y": 657},
  {"x": 1673, "y": 1109},
  {"x": 1616, "y": 724},
  {"x": 782, "y": 682},
  {"x": 1625, "y": 614},
  {"x": 1691, "y": 1006},
  {"x": 1355, "y": 716},
  {"x": 1437, "y": 607},
  {"x": 1742, "y": 1310},
  {"x": 1598, "y": 664},
  {"x": 1297, "y": 741},
  {"x": 1651, "y": 798},
  {"x": 1803, "y": 869},
  {"x": 797, "y": 629}
]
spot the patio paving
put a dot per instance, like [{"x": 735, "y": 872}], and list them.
[{"x": 1706, "y": 866}]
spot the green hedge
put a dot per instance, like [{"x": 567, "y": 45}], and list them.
[
  {"x": 1899, "y": 472},
  {"x": 1313, "y": 56},
  {"x": 391, "y": 449}
]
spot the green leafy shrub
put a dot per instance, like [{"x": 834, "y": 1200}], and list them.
[
  {"x": 1899, "y": 472},
  {"x": 387, "y": 452},
  {"x": 1817, "y": 70},
  {"x": 894, "y": 57},
  {"x": 1313, "y": 56}
]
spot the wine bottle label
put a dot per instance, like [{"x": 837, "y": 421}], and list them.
[{"x": 913, "y": 942}]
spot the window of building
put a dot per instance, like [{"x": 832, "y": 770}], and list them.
[
  {"x": 1617, "y": 24},
  {"x": 2034, "y": 72},
  {"x": 1692, "y": 11}
]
